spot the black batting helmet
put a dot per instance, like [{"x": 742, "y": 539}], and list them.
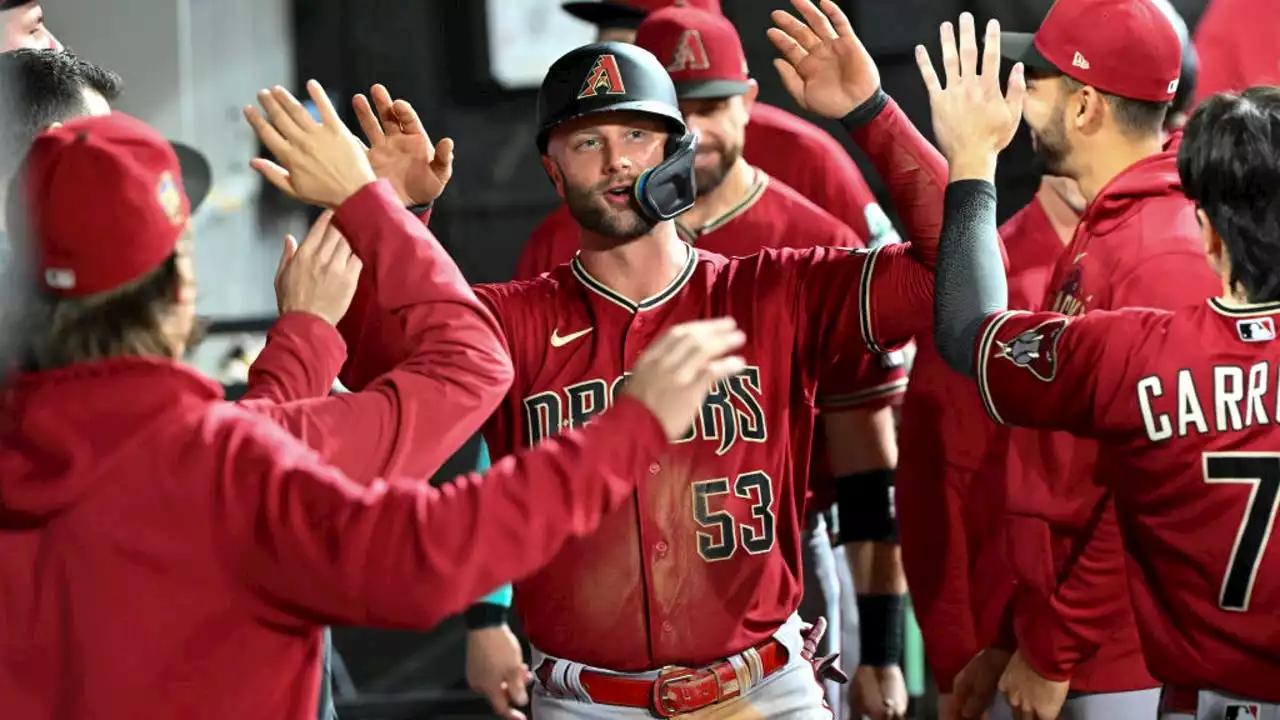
[{"x": 620, "y": 77}]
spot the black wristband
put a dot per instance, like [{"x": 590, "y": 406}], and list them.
[
  {"x": 864, "y": 502},
  {"x": 420, "y": 209},
  {"x": 880, "y": 629},
  {"x": 866, "y": 112},
  {"x": 484, "y": 615}
]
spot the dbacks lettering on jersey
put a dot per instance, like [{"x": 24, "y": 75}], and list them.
[
  {"x": 1239, "y": 398},
  {"x": 732, "y": 411},
  {"x": 1068, "y": 300}
]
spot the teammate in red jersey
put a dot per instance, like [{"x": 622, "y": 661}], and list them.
[
  {"x": 1236, "y": 43},
  {"x": 785, "y": 146},
  {"x": 939, "y": 514},
  {"x": 1184, "y": 403}
]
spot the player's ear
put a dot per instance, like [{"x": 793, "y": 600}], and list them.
[
  {"x": 1090, "y": 109},
  {"x": 553, "y": 173},
  {"x": 749, "y": 97},
  {"x": 1213, "y": 247}
]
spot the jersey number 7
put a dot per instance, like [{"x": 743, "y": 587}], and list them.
[{"x": 1262, "y": 472}]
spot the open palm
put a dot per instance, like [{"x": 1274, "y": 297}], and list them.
[
  {"x": 823, "y": 65},
  {"x": 400, "y": 150}
]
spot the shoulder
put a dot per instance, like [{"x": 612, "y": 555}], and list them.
[
  {"x": 804, "y": 223},
  {"x": 767, "y": 119},
  {"x": 554, "y": 223}
]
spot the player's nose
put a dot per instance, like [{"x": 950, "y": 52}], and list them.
[{"x": 616, "y": 161}]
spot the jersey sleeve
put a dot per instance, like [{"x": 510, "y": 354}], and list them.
[
  {"x": 301, "y": 360},
  {"x": 427, "y": 364},
  {"x": 312, "y": 547},
  {"x": 1052, "y": 371}
]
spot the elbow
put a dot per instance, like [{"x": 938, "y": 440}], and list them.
[{"x": 955, "y": 341}]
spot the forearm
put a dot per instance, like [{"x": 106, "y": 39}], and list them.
[
  {"x": 915, "y": 172},
  {"x": 301, "y": 360},
  {"x": 969, "y": 283}
]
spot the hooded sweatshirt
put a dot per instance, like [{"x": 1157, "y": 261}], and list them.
[
  {"x": 164, "y": 553},
  {"x": 1137, "y": 245}
]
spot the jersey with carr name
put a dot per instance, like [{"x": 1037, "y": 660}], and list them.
[
  {"x": 705, "y": 562},
  {"x": 1185, "y": 407}
]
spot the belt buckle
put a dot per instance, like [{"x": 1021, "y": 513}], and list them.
[{"x": 663, "y": 705}]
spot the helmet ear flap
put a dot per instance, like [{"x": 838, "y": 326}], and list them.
[{"x": 668, "y": 189}]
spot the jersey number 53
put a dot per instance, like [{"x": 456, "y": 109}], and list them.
[{"x": 754, "y": 532}]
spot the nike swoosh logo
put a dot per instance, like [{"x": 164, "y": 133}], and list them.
[{"x": 558, "y": 340}]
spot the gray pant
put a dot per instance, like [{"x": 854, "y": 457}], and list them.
[
  {"x": 326, "y": 710},
  {"x": 828, "y": 592}
]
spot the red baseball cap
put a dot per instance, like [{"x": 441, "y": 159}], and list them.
[
  {"x": 105, "y": 204},
  {"x": 1122, "y": 47},
  {"x": 628, "y": 13},
  {"x": 701, "y": 51}
]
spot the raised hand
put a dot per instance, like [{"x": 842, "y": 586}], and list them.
[
  {"x": 674, "y": 374},
  {"x": 400, "y": 150},
  {"x": 823, "y": 65},
  {"x": 320, "y": 276},
  {"x": 972, "y": 120},
  {"x": 321, "y": 163}
]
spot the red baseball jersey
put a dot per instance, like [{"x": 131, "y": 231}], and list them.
[
  {"x": 1236, "y": 45},
  {"x": 1137, "y": 245},
  {"x": 786, "y": 147},
  {"x": 1185, "y": 409},
  {"x": 705, "y": 561},
  {"x": 942, "y": 412}
]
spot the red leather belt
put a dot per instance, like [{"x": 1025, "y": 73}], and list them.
[{"x": 676, "y": 690}]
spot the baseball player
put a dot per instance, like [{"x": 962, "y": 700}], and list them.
[
  {"x": 783, "y": 145},
  {"x": 22, "y": 25},
  {"x": 686, "y": 600},
  {"x": 199, "y": 535},
  {"x": 1096, "y": 103},
  {"x": 1183, "y": 403}
]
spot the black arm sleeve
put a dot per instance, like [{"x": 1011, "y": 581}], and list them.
[{"x": 970, "y": 284}]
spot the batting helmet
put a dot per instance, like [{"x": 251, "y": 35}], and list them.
[{"x": 619, "y": 77}]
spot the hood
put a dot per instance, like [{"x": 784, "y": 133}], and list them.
[
  {"x": 1155, "y": 176},
  {"x": 63, "y": 432}
]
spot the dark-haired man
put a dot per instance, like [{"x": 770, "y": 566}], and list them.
[
  {"x": 1100, "y": 77},
  {"x": 1183, "y": 404}
]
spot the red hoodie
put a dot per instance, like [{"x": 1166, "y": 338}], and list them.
[
  {"x": 164, "y": 553},
  {"x": 1137, "y": 245}
]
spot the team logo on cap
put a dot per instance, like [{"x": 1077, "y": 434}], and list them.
[
  {"x": 604, "y": 79},
  {"x": 1035, "y": 350},
  {"x": 170, "y": 198},
  {"x": 690, "y": 53}
]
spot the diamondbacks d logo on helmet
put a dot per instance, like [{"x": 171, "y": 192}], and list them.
[
  {"x": 1036, "y": 349},
  {"x": 690, "y": 53},
  {"x": 604, "y": 79}
]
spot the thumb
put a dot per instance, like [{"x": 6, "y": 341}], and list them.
[
  {"x": 286, "y": 253},
  {"x": 1017, "y": 90},
  {"x": 790, "y": 79},
  {"x": 517, "y": 685},
  {"x": 442, "y": 163}
]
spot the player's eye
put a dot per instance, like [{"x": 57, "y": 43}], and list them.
[
  {"x": 636, "y": 134},
  {"x": 587, "y": 144}
]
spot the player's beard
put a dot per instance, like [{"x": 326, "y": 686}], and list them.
[
  {"x": 1051, "y": 145},
  {"x": 589, "y": 208},
  {"x": 710, "y": 178}
]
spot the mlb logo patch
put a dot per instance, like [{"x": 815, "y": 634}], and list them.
[
  {"x": 1242, "y": 711},
  {"x": 1256, "y": 329}
]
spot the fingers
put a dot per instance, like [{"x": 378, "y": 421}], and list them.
[
  {"x": 286, "y": 253},
  {"x": 968, "y": 46},
  {"x": 839, "y": 21},
  {"x": 274, "y": 174},
  {"x": 517, "y": 683},
  {"x": 442, "y": 163},
  {"x": 278, "y": 116},
  {"x": 330, "y": 244},
  {"x": 799, "y": 33},
  {"x": 927, "y": 73},
  {"x": 383, "y": 105},
  {"x": 1016, "y": 93},
  {"x": 319, "y": 228},
  {"x": 950, "y": 57},
  {"x": 408, "y": 118},
  {"x": 791, "y": 79},
  {"x": 991, "y": 52},
  {"x": 328, "y": 113},
  {"x": 369, "y": 124},
  {"x": 816, "y": 19},
  {"x": 293, "y": 108},
  {"x": 269, "y": 136}
]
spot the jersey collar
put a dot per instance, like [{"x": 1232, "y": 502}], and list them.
[
  {"x": 1251, "y": 310},
  {"x": 671, "y": 290}
]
